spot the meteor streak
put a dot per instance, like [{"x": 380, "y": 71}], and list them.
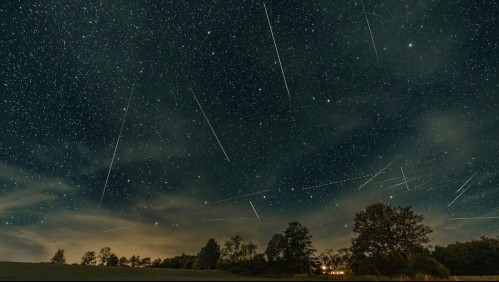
[
  {"x": 245, "y": 195},
  {"x": 465, "y": 183},
  {"x": 120, "y": 228},
  {"x": 229, "y": 219},
  {"x": 275, "y": 45},
  {"x": 376, "y": 174},
  {"x": 370, "y": 32},
  {"x": 254, "y": 210},
  {"x": 402, "y": 183},
  {"x": 117, "y": 142},
  {"x": 459, "y": 196},
  {"x": 403, "y": 174},
  {"x": 211, "y": 127},
  {"x": 478, "y": 217},
  {"x": 334, "y": 182}
]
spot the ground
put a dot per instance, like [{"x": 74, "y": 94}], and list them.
[{"x": 43, "y": 271}]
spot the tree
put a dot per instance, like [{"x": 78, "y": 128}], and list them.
[
  {"x": 275, "y": 249},
  {"x": 298, "y": 254},
  {"x": 123, "y": 261},
  {"x": 145, "y": 262},
  {"x": 476, "y": 257},
  {"x": 89, "y": 258},
  {"x": 236, "y": 250},
  {"x": 183, "y": 261},
  {"x": 208, "y": 256},
  {"x": 104, "y": 255},
  {"x": 166, "y": 263},
  {"x": 231, "y": 250},
  {"x": 249, "y": 250},
  {"x": 422, "y": 264},
  {"x": 187, "y": 261},
  {"x": 113, "y": 260},
  {"x": 134, "y": 261},
  {"x": 386, "y": 239},
  {"x": 156, "y": 263},
  {"x": 58, "y": 258}
]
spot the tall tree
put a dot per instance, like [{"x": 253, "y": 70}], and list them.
[
  {"x": 275, "y": 249},
  {"x": 208, "y": 256},
  {"x": 227, "y": 252},
  {"x": 299, "y": 251},
  {"x": 104, "y": 256},
  {"x": 386, "y": 238},
  {"x": 237, "y": 247},
  {"x": 89, "y": 258},
  {"x": 58, "y": 258}
]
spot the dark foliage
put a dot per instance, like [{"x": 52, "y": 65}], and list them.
[
  {"x": 183, "y": 261},
  {"x": 387, "y": 240},
  {"x": 207, "y": 258},
  {"x": 58, "y": 258},
  {"x": 89, "y": 258},
  {"x": 291, "y": 251},
  {"x": 476, "y": 257}
]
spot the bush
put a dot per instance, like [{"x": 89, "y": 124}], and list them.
[
  {"x": 422, "y": 264},
  {"x": 255, "y": 266}
]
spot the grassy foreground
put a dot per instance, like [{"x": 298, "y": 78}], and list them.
[{"x": 42, "y": 271}]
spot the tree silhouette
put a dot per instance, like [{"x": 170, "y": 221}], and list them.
[
  {"x": 298, "y": 254},
  {"x": 386, "y": 239},
  {"x": 104, "y": 256},
  {"x": 249, "y": 250},
  {"x": 113, "y": 260},
  {"x": 145, "y": 262},
  {"x": 275, "y": 249},
  {"x": 58, "y": 258},
  {"x": 476, "y": 257},
  {"x": 236, "y": 250},
  {"x": 89, "y": 258},
  {"x": 183, "y": 261},
  {"x": 156, "y": 263},
  {"x": 134, "y": 261},
  {"x": 208, "y": 256},
  {"x": 123, "y": 261},
  {"x": 232, "y": 249}
]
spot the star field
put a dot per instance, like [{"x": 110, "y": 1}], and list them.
[{"x": 428, "y": 105}]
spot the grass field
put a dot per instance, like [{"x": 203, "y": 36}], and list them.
[{"x": 43, "y": 271}]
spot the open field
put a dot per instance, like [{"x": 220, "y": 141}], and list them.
[{"x": 43, "y": 271}]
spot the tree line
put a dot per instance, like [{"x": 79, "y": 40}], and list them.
[{"x": 387, "y": 240}]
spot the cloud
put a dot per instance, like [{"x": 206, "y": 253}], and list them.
[
  {"x": 170, "y": 227},
  {"x": 25, "y": 188}
]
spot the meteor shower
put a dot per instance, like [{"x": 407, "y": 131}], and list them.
[{"x": 152, "y": 127}]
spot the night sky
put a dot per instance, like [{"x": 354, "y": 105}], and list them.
[{"x": 420, "y": 95}]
